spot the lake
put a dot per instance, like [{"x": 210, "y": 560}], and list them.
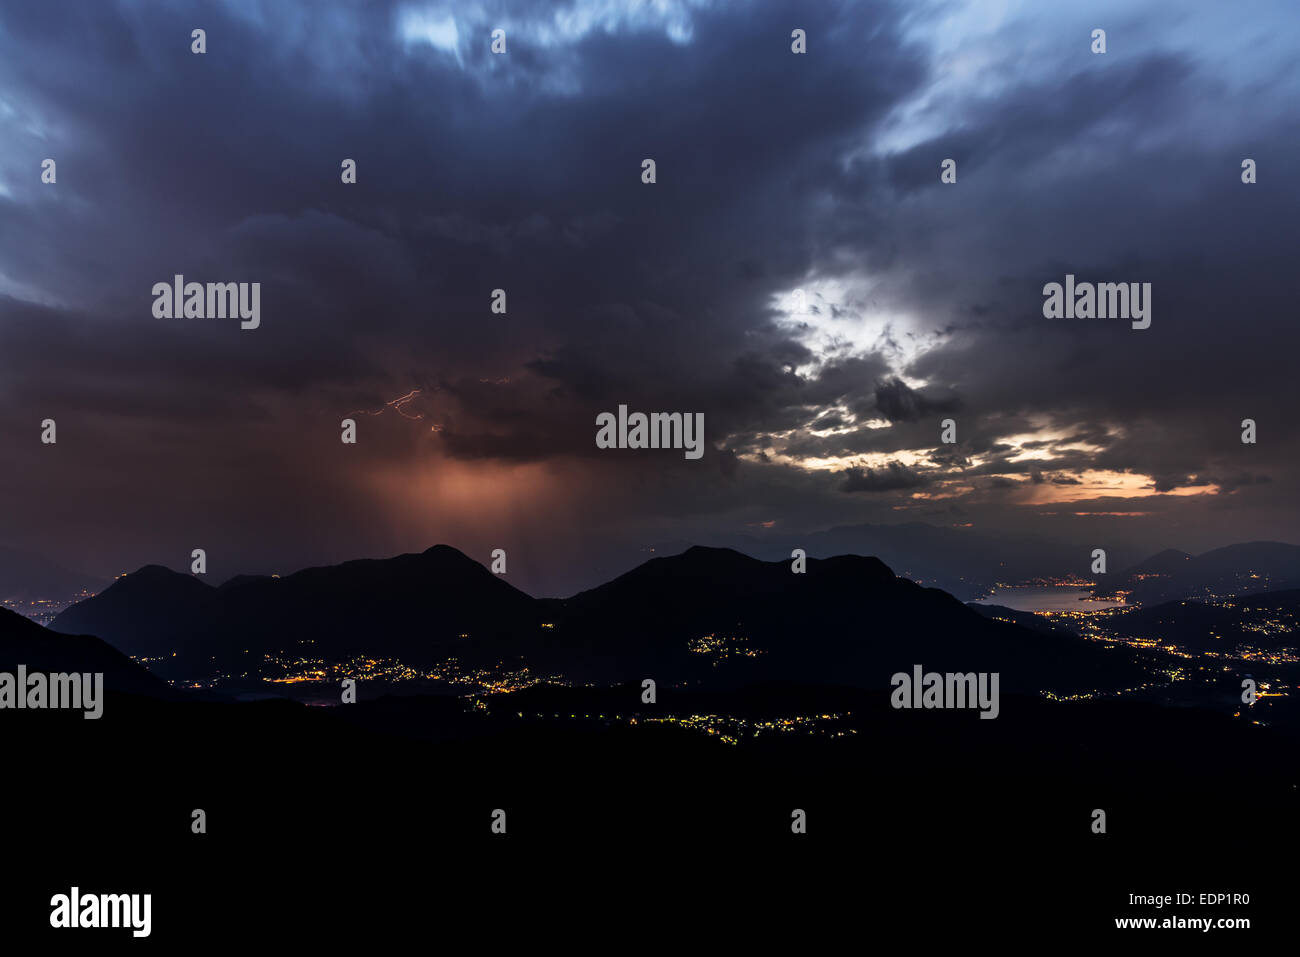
[{"x": 1051, "y": 598}]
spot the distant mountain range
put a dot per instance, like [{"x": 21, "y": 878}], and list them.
[
  {"x": 965, "y": 562},
  {"x": 421, "y": 608},
  {"x": 26, "y": 577},
  {"x": 709, "y": 617},
  {"x": 1233, "y": 570}
]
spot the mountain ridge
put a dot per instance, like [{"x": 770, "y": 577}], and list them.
[
  {"x": 707, "y": 615},
  {"x": 24, "y": 642}
]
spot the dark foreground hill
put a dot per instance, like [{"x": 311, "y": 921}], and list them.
[
  {"x": 23, "y": 642},
  {"x": 1026, "y": 619},
  {"x": 376, "y": 817},
  {"x": 1267, "y": 621}
]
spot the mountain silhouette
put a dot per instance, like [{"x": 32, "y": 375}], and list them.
[
  {"x": 965, "y": 562},
  {"x": 714, "y": 615},
  {"x": 710, "y": 616},
  {"x": 417, "y": 608},
  {"x": 24, "y": 642},
  {"x": 1233, "y": 570},
  {"x": 151, "y": 612},
  {"x": 1168, "y": 562}
]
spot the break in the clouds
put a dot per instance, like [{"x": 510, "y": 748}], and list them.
[{"x": 778, "y": 174}]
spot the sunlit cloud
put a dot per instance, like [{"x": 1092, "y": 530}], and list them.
[
  {"x": 436, "y": 28},
  {"x": 842, "y": 317}
]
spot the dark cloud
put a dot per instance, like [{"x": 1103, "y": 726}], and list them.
[
  {"x": 775, "y": 172},
  {"x": 891, "y": 478},
  {"x": 897, "y": 402}
]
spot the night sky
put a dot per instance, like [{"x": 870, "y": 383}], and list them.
[{"x": 776, "y": 172}]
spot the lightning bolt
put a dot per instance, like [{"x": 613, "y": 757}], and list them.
[{"x": 398, "y": 405}]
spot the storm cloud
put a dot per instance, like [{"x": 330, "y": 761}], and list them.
[{"x": 777, "y": 174}]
